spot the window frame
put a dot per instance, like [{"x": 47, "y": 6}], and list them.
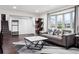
[{"x": 71, "y": 18}]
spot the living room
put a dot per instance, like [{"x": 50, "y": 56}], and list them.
[{"x": 54, "y": 27}]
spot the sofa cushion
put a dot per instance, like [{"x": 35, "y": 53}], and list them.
[
  {"x": 57, "y": 37},
  {"x": 53, "y": 36}
]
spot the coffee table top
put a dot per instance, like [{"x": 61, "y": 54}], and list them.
[{"x": 35, "y": 38}]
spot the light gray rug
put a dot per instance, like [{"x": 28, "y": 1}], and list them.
[{"x": 49, "y": 50}]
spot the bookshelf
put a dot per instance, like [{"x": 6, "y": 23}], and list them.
[
  {"x": 38, "y": 25},
  {"x": 15, "y": 27}
]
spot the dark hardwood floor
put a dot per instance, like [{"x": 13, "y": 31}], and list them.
[{"x": 8, "y": 47}]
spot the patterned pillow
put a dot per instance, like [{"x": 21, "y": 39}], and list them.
[
  {"x": 55, "y": 32},
  {"x": 58, "y": 32},
  {"x": 51, "y": 31}
]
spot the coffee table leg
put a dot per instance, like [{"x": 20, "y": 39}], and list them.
[
  {"x": 37, "y": 45},
  {"x": 28, "y": 45},
  {"x": 42, "y": 45}
]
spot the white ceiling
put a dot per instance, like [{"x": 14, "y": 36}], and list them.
[{"x": 33, "y": 8}]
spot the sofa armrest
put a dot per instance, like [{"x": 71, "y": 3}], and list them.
[
  {"x": 68, "y": 39},
  {"x": 70, "y": 34}
]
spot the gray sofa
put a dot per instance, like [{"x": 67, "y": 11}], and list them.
[{"x": 65, "y": 40}]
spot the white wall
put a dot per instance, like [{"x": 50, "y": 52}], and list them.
[
  {"x": 19, "y": 13},
  {"x": 44, "y": 16},
  {"x": 26, "y": 24}
]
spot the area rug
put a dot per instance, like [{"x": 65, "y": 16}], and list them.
[{"x": 49, "y": 50}]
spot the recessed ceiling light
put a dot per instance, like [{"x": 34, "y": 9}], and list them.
[
  {"x": 36, "y": 11},
  {"x": 14, "y": 7}
]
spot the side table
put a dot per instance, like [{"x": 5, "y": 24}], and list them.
[{"x": 77, "y": 41}]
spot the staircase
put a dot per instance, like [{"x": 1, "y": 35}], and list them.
[{"x": 5, "y": 27}]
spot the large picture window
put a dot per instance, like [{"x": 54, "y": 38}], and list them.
[{"x": 64, "y": 21}]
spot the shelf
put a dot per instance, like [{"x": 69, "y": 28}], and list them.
[
  {"x": 15, "y": 33},
  {"x": 39, "y": 25},
  {"x": 15, "y": 27}
]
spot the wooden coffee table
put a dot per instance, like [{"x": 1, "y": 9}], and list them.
[{"x": 35, "y": 42}]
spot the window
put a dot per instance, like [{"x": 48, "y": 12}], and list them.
[
  {"x": 67, "y": 20},
  {"x": 60, "y": 21},
  {"x": 52, "y": 22},
  {"x": 64, "y": 21}
]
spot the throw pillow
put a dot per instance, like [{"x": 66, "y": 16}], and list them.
[
  {"x": 55, "y": 32},
  {"x": 49, "y": 31},
  {"x": 58, "y": 32}
]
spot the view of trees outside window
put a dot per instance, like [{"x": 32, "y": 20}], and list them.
[
  {"x": 67, "y": 20},
  {"x": 62, "y": 21},
  {"x": 52, "y": 22}
]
